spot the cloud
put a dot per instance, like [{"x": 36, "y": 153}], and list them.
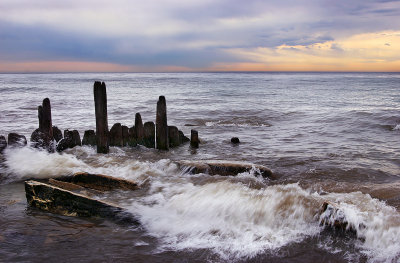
[{"x": 185, "y": 34}]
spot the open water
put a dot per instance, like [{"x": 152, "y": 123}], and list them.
[{"x": 327, "y": 137}]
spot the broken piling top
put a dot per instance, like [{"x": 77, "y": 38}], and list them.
[
  {"x": 139, "y": 129},
  {"x": 194, "y": 139},
  {"x": 46, "y": 118},
  {"x": 162, "y": 142},
  {"x": 100, "y": 103}
]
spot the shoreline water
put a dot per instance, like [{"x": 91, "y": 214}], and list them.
[{"x": 326, "y": 136}]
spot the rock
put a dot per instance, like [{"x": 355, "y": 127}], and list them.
[
  {"x": 3, "y": 143},
  {"x": 173, "y": 136},
  {"x": 76, "y": 138},
  {"x": 132, "y": 137},
  {"x": 149, "y": 134},
  {"x": 161, "y": 125},
  {"x": 194, "y": 139},
  {"x": 235, "y": 140},
  {"x": 332, "y": 216},
  {"x": 125, "y": 135},
  {"x": 15, "y": 139},
  {"x": 70, "y": 140},
  {"x": 41, "y": 139},
  {"x": 224, "y": 168},
  {"x": 139, "y": 129},
  {"x": 100, "y": 102},
  {"x": 58, "y": 200},
  {"x": 57, "y": 134},
  {"x": 183, "y": 138},
  {"x": 89, "y": 138},
  {"x": 116, "y": 135}
]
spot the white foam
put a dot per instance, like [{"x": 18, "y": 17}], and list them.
[
  {"x": 397, "y": 127},
  {"x": 231, "y": 219}
]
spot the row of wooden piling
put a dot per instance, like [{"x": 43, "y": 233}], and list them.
[{"x": 152, "y": 135}]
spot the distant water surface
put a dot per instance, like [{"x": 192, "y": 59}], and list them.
[{"x": 327, "y": 136}]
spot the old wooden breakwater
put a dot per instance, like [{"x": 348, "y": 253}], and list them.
[{"x": 151, "y": 135}]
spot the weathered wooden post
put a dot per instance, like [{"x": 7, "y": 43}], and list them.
[
  {"x": 40, "y": 117},
  {"x": 139, "y": 130},
  {"x": 161, "y": 125},
  {"x": 46, "y": 118},
  {"x": 149, "y": 134},
  {"x": 194, "y": 139},
  {"x": 100, "y": 103},
  {"x": 115, "y": 135},
  {"x": 173, "y": 134}
]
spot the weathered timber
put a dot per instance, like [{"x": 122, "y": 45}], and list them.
[
  {"x": 101, "y": 182},
  {"x": 57, "y": 134},
  {"x": 161, "y": 125},
  {"x": 58, "y": 200},
  {"x": 15, "y": 139},
  {"x": 100, "y": 102},
  {"x": 132, "y": 137},
  {"x": 149, "y": 134},
  {"x": 3, "y": 143},
  {"x": 89, "y": 138},
  {"x": 224, "y": 168},
  {"x": 125, "y": 135},
  {"x": 76, "y": 138},
  {"x": 173, "y": 134},
  {"x": 194, "y": 139},
  {"x": 115, "y": 135},
  {"x": 46, "y": 118},
  {"x": 183, "y": 138},
  {"x": 139, "y": 129}
]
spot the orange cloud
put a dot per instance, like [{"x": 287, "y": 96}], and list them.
[{"x": 363, "y": 52}]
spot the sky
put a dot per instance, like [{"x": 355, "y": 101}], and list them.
[{"x": 199, "y": 35}]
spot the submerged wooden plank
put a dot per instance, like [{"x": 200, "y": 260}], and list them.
[
  {"x": 57, "y": 200},
  {"x": 224, "y": 168},
  {"x": 101, "y": 182}
]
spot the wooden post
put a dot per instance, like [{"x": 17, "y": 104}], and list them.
[
  {"x": 139, "y": 130},
  {"x": 161, "y": 125},
  {"x": 40, "y": 116},
  {"x": 149, "y": 134},
  {"x": 194, "y": 139},
  {"x": 46, "y": 118},
  {"x": 173, "y": 134},
  {"x": 100, "y": 103}
]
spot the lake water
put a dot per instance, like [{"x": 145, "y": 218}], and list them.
[{"x": 326, "y": 136}]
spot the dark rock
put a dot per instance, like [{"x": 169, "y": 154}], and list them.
[
  {"x": 57, "y": 134},
  {"x": 132, "y": 137},
  {"x": 125, "y": 135},
  {"x": 332, "y": 216},
  {"x": 89, "y": 138},
  {"x": 3, "y": 143},
  {"x": 116, "y": 135},
  {"x": 15, "y": 139},
  {"x": 149, "y": 134},
  {"x": 76, "y": 138},
  {"x": 41, "y": 139},
  {"x": 100, "y": 102},
  {"x": 70, "y": 140},
  {"x": 235, "y": 140},
  {"x": 183, "y": 138},
  {"x": 161, "y": 125},
  {"x": 224, "y": 168},
  {"x": 57, "y": 200},
  {"x": 194, "y": 139},
  {"x": 173, "y": 134},
  {"x": 139, "y": 129}
]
